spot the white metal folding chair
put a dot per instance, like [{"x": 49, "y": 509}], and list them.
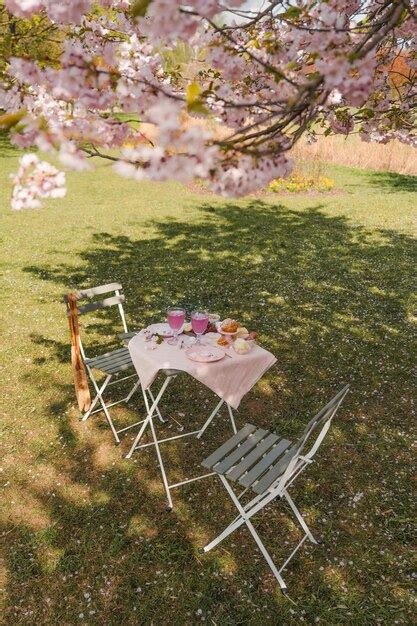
[
  {"x": 266, "y": 465},
  {"x": 113, "y": 363}
]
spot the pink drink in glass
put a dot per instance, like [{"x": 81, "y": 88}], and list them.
[
  {"x": 199, "y": 322},
  {"x": 176, "y": 318}
]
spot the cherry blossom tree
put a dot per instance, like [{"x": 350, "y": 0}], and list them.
[{"x": 263, "y": 74}]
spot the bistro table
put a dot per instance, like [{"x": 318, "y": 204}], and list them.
[{"x": 230, "y": 378}]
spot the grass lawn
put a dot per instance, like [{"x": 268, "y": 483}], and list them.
[{"x": 327, "y": 280}]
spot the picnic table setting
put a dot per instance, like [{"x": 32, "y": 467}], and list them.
[
  {"x": 229, "y": 362},
  {"x": 224, "y": 356}
]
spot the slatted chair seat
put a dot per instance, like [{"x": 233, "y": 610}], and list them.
[
  {"x": 253, "y": 457},
  {"x": 118, "y": 361},
  {"x": 111, "y": 362}
]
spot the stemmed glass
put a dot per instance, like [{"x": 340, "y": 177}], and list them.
[
  {"x": 199, "y": 322},
  {"x": 176, "y": 318}
]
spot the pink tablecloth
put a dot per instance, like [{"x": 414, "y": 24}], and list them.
[{"x": 230, "y": 378}]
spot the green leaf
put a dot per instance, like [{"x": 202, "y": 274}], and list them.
[
  {"x": 140, "y": 7},
  {"x": 193, "y": 91},
  {"x": 291, "y": 13},
  {"x": 199, "y": 108},
  {"x": 192, "y": 97}
]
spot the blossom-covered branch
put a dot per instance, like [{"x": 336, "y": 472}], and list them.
[{"x": 253, "y": 83}]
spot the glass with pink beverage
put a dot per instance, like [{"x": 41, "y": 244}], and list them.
[
  {"x": 176, "y": 319},
  {"x": 199, "y": 322}
]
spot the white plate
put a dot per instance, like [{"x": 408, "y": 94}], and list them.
[
  {"x": 186, "y": 340},
  {"x": 205, "y": 354},
  {"x": 211, "y": 337},
  {"x": 162, "y": 329}
]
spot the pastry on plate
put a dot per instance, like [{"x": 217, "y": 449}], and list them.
[{"x": 229, "y": 326}]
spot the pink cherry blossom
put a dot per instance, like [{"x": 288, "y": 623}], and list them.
[
  {"x": 229, "y": 113},
  {"x": 34, "y": 181},
  {"x": 24, "y": 8}
]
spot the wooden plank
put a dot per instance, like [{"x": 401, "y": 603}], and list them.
[
  {"x": 252, "y": 457},
  {"x": 275, "y": 471},
  {"x": 108, "y": 356},
  {"x": 248, "y": 479},
  {"x": 240, "y": 451},
  {"x": 95, "y": 291},
  {"x": 113, "y": 368},
  {"x": 112, "y": 363},
  {"x": 100, "y": 304},
  {"x": 98, "y": 291},
  {"x": 116, "y": 367},
  {"x": 228, "y": 446}
]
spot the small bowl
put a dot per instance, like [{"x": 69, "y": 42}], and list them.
[{"x": 213, "y": 318}]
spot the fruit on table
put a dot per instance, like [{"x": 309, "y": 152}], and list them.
[{"x": 241, "y": 346}]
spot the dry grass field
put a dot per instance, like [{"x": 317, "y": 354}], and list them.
[
  {"x": 349, "y": 151},
  {"x": 352, "y": 152}
]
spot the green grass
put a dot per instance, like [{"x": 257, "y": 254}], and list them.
[{"x": 327, "y": 280}]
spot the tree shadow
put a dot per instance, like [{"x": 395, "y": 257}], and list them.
[
  {"x": 331, "y": 300},
  {"x": 300, "y": 279},
  {"x": 392, "y": 182}
]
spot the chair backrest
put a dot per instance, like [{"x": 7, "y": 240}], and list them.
[
  {"x": 314, "y": 433},
  {"x": 116, "y": 300}
]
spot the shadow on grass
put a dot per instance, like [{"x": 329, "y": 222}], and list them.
[
  {"x": 328, "y": 298},
  {"x": 393, "y": 183},
  {"x": 331, "y": 300}
]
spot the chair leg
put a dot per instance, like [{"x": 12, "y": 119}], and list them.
[
  {"x": 99, "y": 397},
  {"x": 244, "y": 519},
  {"x": 267, "y": 556},
  {"x": 299, "y": 517},
  {"x": 227, "y": 531},
  {"x": 94, "y": 402},
  {"x": 103, "y": 404}
]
